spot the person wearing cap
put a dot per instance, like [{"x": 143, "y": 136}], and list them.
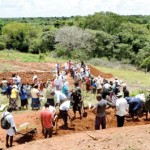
[
  {"x": 35, "y": 79},
  {"x": 13, "y": 97},
  {"x": 99, "y": 110},
  {"x": 12, "y": 130},
  {"x": 121, "y": 109}
]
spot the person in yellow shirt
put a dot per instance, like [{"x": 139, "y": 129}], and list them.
[{"x": 13, "y": 97}]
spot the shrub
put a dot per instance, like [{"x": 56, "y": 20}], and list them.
[
  {"x": 146, "y": 63},
  {"x": 79, "y": 54},
  {"x": 2, "y": 45}
]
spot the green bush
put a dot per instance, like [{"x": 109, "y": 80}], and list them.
[
  {"x": 35, "y": 46},
  {"x": 61, "y": 53},
  {"x": 2, "y": 45},
  {"x": 79, "y": 54},
  {"x": 146, "y": 63},
  {"x": 41, "y": 56}
]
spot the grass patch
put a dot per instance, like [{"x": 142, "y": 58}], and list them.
[
  {"x": 27, "y": 57},
  {"x": 132, "y": 77}
]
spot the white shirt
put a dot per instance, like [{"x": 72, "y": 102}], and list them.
[
  {"x": 57, "y": 81},
  {"x": 34, "y": 93},
  {"x": 10, "y": 119},
  {"x": 66, "y": 66},
  {"x": 60, "y": 96},
  {"x": 65, "y": 105},
  {"x": 121, "y": 106},
  {"x": 107, "y": 85}
]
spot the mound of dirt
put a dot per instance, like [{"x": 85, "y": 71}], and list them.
[
  {"x": 97, "y": 72},
  {"x": 44, "y": 71},
  {"x": 28, "y": 75},
  {"x": 126, "y": 138}
]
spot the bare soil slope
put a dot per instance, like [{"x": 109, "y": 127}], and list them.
[{"x": 126, "y": 138}]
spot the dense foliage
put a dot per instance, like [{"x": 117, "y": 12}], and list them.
[{"x": 104, "y": 34}]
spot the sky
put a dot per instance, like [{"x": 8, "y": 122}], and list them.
[{"x": 59, "y": 8}]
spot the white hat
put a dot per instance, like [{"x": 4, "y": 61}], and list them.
[
  {"x": 14, "y": 86},
  {"x": 119, "y": 94},
  {"x": 148, "y": 90}
]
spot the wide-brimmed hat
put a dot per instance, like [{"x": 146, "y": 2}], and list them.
[
  {"x": 14, "y": 86},
  {"x": 148, "y": 90},
  {"x": 119, "y": 94},
  {"x": 35, "y": 85}
]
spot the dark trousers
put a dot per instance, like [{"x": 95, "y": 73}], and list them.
[
  {"x": 64, "y": 116},
  {"x": 51, "y": 101},
  {"x": 120, "y": 121},
  {"x": 48, "y": 132},
  {"x": 100, "y": 121},
  {"x": 77, "y": 106}
]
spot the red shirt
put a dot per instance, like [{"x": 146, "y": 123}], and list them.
[{"x": 46, "y": 117}]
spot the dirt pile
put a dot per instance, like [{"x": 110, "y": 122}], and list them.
[
  {"x": 27, "y": 76},
  {"x": 97, "y": 72}
]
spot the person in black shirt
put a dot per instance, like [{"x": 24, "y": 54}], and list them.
[
  {"x": 76, "y": 101},
  {"x": 125, "y": 92}
]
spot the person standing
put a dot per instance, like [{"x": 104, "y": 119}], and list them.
[
  {"x": 65, "y": 88},
  {"x": 12, "y": 130},
  {"x": 47, "y": 121},
  {"x": 23, "y": 97},
  {"x": 13, "y": 97},
  {"x": 35, "y": 97},
  {"x": 99, "y": 110},
  {"x": 121, "y": 109},
  {"x": 57, "y": 83},
  {"x": 50, "y": 95},
  {"x": 125, "y": 91},
  {"x": 76, "y": 102}
]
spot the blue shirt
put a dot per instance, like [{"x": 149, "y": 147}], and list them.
[
  {"x": 65, "y": 90},
  {"x": 23, "y": 94}
]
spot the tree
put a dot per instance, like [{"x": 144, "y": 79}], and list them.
[
  {"x": 74, "y": 38},
  {"x": 18, "y": 35},
  {"x": 48, "y": 40}
]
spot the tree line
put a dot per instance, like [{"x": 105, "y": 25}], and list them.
[{"x": 103, "y": 34}]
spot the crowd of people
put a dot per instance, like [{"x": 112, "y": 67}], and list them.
[{"x": 59, "y": 94}]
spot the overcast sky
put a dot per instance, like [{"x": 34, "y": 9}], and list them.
[{"x": 52, "y": 8}]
